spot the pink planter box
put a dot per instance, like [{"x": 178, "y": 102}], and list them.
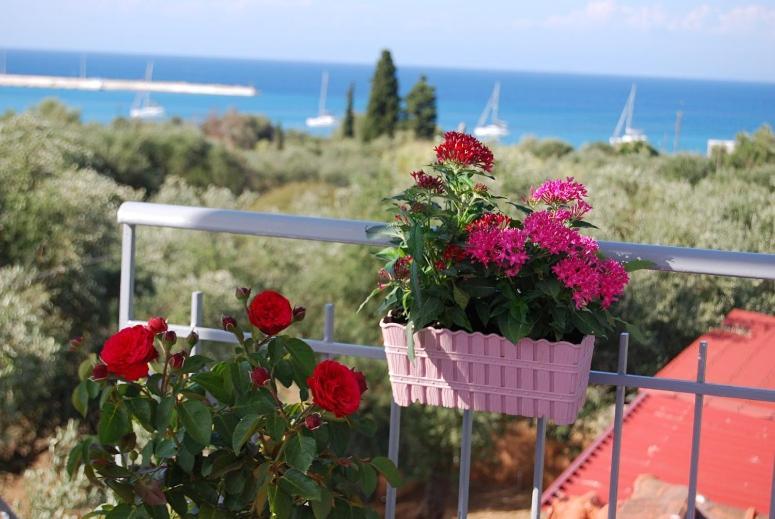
[{"x": 489, "y": 373}]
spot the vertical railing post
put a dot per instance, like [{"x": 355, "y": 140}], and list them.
[
  {"x": 393, "y": 442},
  {"x": 538, "y": 468},
  {"x": 465, "y": 464},
  {"x": 772, "y": 492},
  {"x": 127, "y": 290},
  {"x": 616, "y": 450},
  {"x": 328, "y": 326},
  {"x": 695, "y": 456},
  {"x": 197, "y": 315}
]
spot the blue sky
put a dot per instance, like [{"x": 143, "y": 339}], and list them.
[{"x": 688, "y": 38}]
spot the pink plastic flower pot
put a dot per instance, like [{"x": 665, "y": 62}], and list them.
[{"x": 488, "y": 373}]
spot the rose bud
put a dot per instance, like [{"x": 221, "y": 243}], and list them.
[
  {"x": 361, "y": 380},
  {"x": 259, "y": 376},
  {"x": 177, "y": 360},
  {"x": 229, "y": 323},
  {"x": 242, "y": 293},
  {"x": 192, "y": 338},
  {"x": 99, "y": 372},
  {"x": 298, "y": 313},
  {"x": 127, "y": 442},
  {"x": 75, "y": 343},
  {"x": 157, "y": 325},
  {"x": 169, "y": 338},
  {"x": 313, "y": 421}
]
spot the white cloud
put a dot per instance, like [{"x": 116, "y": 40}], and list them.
[{"x": 748, "y": 19}]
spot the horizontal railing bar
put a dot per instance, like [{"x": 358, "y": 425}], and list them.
[
  {"x": 681, "y": 386},
  {"x": 663, "y": 258},
  {"x": 595, "y": 377},
  {"x": 331, "y": 348}
]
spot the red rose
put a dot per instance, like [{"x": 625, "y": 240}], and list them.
[
  {"x": 157, "y": 325},
  {"x": 128, "y": 352},
  {"x": 270, "y": 312},
  {"x": 361, "y": 380},
  {"x": 335, "y": 388}
]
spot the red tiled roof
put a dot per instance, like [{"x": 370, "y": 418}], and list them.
[{"x": 737, "y": 442}]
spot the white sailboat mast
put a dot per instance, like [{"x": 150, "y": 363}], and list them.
[
  {"x": 323, "y": 94},
  {"x": 625, "y": 119},
  {"x": 496, "y": 97},
  {"x": 630, "y": 108},
  {"x": 491, "y": 107}
]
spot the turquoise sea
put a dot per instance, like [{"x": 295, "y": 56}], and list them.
[{"x": 572, "y": 107}]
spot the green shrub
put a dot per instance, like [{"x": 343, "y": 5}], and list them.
[
  {"x": 753, "y": 150},
  {"x": 691, "y": 168},
  {"x": 636, "y": 148},
  {"x": 546, "y": 148},
  {"x": 51, "y": 492},
  {"x": 28, "y": 363}
]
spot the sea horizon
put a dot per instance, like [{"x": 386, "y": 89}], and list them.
[
  {"x": 153, "y": 55},
  {"x": 578, "y": 108}
]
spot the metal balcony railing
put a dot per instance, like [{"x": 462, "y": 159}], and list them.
[{"x": 669, "y": 259}]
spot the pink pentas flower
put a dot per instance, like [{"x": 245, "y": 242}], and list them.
[
  {"x": 549, "y": 231},
  {"x": 504, "y": 248},
  {"x": 482, "y": 244},
  {"x": 585, "y": 246},
  {"x": 464, "y": 149},
  {"x": 613, "y": 279},
  {"x": 581, "y": 277},
  {"x": 558, "y": 191},
  {"x": 575, "y": 211},
  {"x": 512, "y": 255}
]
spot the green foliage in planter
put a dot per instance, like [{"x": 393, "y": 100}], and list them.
[{"x": 460, "y": 262}]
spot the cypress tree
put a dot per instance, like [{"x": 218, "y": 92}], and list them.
[
  {"x": 384, "y": 103},
  {"x": 421, "y": 109},
  {"x": 348, "y": 126}
]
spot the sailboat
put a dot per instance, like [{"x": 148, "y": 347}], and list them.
[
  {"x": 496, "y": 128},
  {"x": 143, "y": 107},
  {"x": 624, "y": 132},
  {"x": 323, "y": 119}
]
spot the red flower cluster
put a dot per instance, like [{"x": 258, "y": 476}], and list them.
[
  {"x": 489, "y": 221},
  {"x": 128, "y": 352},
  {"x": 336, "y": 388},
  {"x": 425, "y": 181},
  {"x": 401, "y": 268},
  {"x": 450, "y": 255},
  {"x": 453, "y": 253},
  {"x": 270, "y": 312},
  {"x": 465, "y": 150}
]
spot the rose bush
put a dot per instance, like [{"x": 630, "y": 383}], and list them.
[
  {"x": 220, "y": 440},
  {"x": 462, "y": 262}
]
